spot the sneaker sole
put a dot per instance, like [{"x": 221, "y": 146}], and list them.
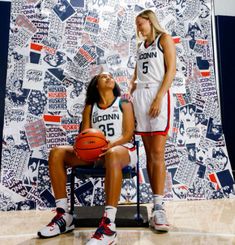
[
  {"x": 70, "y": 229},
  {"x": 157, "y": 227},
  {"x": 110, "y": 243},
  {"x": 114, "y": 241},
  {"x": 162, "y": 228}
]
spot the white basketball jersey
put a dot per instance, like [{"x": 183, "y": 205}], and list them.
[
  {"x": 150, "y": 63},
  {"x": 108, "y": 120}
]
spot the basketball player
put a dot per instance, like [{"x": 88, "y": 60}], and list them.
[
  {"x": 104, "y": 110},
  {"x": 150, "y": 87}
]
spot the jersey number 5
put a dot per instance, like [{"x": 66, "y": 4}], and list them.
[{"x": 145, "y": 67}]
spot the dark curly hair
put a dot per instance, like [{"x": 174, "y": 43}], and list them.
[{"x": 92, "y": 93}]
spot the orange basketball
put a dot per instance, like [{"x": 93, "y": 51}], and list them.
[{"x": 88, "y": 144}]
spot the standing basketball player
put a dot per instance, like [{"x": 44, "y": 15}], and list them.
[
  {"x": 150, "y": 86},
  {"x": 104, "y": 110}
]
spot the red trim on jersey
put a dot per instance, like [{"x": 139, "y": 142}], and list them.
[
  {"x": 169, "y": 111},
  {"x": 168, "y": 122},
  {"x": 133, "y": 148},
  {"x": 151, "y": 133}
]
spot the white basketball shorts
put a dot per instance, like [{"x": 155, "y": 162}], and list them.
[
  {"x": 143, "y": 97},
  {"x": 132, "y": 153}
]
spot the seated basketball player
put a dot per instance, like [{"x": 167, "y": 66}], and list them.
[{"x": 102, "y": 99}]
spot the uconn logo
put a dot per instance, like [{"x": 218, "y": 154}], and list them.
[
  {"x": 105, "y": 117},
  {"x": 144, "y": 56}
]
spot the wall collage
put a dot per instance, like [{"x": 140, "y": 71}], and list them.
[{"x": 56, "y": 47}]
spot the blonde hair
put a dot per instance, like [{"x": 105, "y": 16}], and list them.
[{"x": 151, "y": 16}]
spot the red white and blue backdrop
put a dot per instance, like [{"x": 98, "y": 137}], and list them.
[{"x": 56, "y": 47}]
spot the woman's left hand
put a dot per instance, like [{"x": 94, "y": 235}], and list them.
[{"x": 155, "y": 107}]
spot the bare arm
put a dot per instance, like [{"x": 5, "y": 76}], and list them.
[
  {"x": 86, "y": 117},
  {"x": 170, "y": 61},
  {"x": 132, "y": 85}
]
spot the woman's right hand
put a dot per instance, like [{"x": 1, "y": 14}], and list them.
[
  {"x": 155, "y": 108},
  {"x": 106, "y": 148},
  {"x": 126, "y": 96}
]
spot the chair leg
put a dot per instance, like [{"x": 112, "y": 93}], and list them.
[
  {"x": 138, "y": 196},
  {"x": 138, "y": 217},
  {"x": 72, "y": 199}
]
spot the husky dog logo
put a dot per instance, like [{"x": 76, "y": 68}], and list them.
[
  {"x": 56, "y": 59},
  {"x": 221, "y": 158},
  {"x": 201, "y": 155},
  {"x": 186, "y": 120},
  {"x": 194, "y": 32},
  {"x": 128, "y": 190}
]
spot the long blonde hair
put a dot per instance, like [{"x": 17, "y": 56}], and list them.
[{"x": 151, "y": 16}]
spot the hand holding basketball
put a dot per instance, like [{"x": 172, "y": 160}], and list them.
[{"x": 89, "y": 144}]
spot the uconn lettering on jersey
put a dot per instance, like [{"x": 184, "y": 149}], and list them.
[
  {"x": 148, "y": 55},
  {"x": 106, "y": 117}
]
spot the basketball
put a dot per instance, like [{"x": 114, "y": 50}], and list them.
[{"x": 89, "y": 143}]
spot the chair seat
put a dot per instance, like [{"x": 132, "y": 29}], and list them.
[{"x": 98, "y": 172}]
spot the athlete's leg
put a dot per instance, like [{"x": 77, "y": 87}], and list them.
[
  {"x": 115, "y": 159},
  {"x": 59, "y": 159},
  {"x": 155, "y": 150}
]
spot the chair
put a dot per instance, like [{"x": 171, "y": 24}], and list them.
[{"x": 138, "y": 217}]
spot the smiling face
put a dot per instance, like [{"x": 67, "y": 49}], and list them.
[{"x": 143, "y": 26}]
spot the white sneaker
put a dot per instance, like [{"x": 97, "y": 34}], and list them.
[
  {"x": 105, "y": 234},
  {"x": 61, "y": 223},
  {"x": 159, "y": 221}
]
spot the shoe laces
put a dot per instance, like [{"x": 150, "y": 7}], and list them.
[
  {"x": 59, "y": 213},
  {"x": 103, "y": 229}
]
